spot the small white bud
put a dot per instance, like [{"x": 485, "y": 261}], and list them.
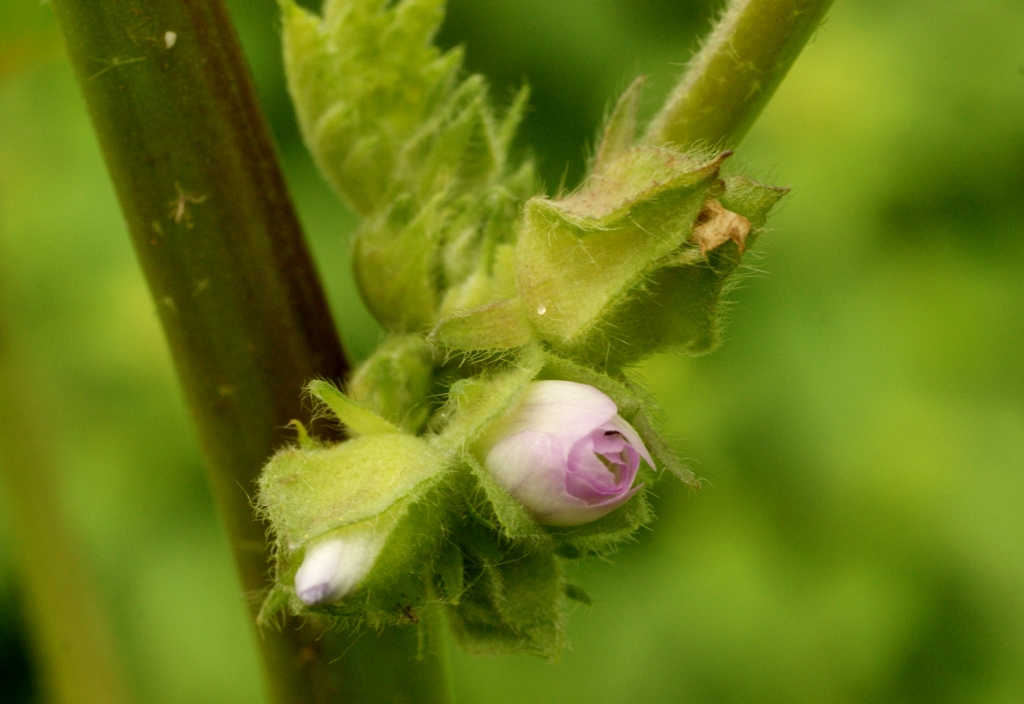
[{"x": 332, "y": 569}]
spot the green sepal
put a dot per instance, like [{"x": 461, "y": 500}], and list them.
[
  {"x": 678, "y": 306},
  {"x": 500, "y": 325},
  {"x": 275, "y": 603},
  {"x": 602, "y": 536},
  {"x": 515, "y": 597},
  {"x": 662, "y": 453},
  {"x": 475, "y": 403},
  {"x": 394, "y": 261},
  {"x": 492, "y": 506},
  {"x": 577, "y": 593},
  {"x": 400, "y": 582},
  {"x": 449, "y": 580},
  {"x": 579, "y": 259},
  {"x": 389, "y": 484},
  {"x": 473, "y": 406},
  {"x": 477, "y": 256},
  {"x": 302, "y": 436},
  {"x": 364, "y": 78},
  {"x": 394, "y": 382},
  {"x": 620, "y": 128},
  {"x": 308, "y": 493},
  {"x": 751, "y": 199},
  {"x": 610, "y": 274},
  {"x": 457, "y": 147},
  {"x": 357, "y": 418}
]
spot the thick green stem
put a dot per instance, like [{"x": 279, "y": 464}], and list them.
[
  {"x": 242, "y": 308},
  {"x": 731, "y": 79},
  {"x": 72, "y": 645}
]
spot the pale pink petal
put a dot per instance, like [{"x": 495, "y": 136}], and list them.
[
  {"x": 619, "y": 424},
  {"x": 565, "y": 453},
  {"x": 531, "y": 467},
  {"x": 563, "y": 408}
]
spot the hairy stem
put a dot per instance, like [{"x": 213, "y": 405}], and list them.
[
  {"x": 731, "y": 79},
  {"x": 192, "y": 161}
]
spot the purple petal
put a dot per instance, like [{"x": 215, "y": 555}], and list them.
[{"x": 619, "y": 424}]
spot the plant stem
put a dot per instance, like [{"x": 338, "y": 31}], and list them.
[
  {"x": 69, "y": 634},
  {"x": 731, "y": 79},
  {"x": 192, "y": 161}
]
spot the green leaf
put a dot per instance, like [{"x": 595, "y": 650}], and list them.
[{"x": 358, "y": 419}]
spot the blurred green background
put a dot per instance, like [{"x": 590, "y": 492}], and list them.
[{"x": 862, "y": 428}]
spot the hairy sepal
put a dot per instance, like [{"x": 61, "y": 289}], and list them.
[
  {"x": 514, "y": 600},
  {"x": 364, "y": 78},
  {"x": 421, "y": 154},
  {"x": 394, "y": 382},
  {"x": 387, "y": 483},
  {"x": 633, "y": 263},
  {"x": 581, "y": 258}
]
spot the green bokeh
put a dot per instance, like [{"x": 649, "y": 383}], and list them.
[{"x": 862, "y": 428}]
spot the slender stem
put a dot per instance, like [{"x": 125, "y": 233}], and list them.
[
  {"x": 69, "y": 634},
  {"x": 192, "y": 161},
  {"x": 731, "y": 79}
]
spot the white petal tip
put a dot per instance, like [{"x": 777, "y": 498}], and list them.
[
  {"x": 333, "y": 568},
  {"x": 317, "y": 594}
]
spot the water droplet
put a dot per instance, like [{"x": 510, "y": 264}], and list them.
[{"x": 541, "y": 309}]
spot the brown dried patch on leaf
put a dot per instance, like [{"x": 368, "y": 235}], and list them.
[{"x": 716, "y": 226}]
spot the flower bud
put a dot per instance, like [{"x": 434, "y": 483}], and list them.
[
  {"x": 357, "y": 515},
  {"x": 332, "y": 569},
  {"x": 564, "y": 453}
]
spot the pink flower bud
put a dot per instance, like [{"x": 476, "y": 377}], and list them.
[{"x": 564, "y": 453}]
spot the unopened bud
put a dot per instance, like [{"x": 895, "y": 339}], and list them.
[
  {"x": 565, "y": 454},
  {"x": 334, "y": 568}
]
